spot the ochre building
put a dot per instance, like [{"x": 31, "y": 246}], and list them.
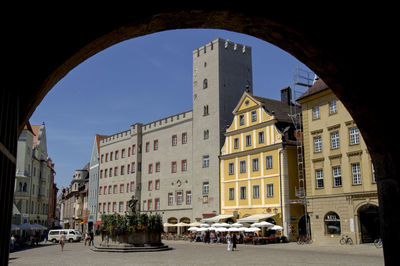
[
  {"x": 340, "y": 183},
  {"x": 258, "y": 166}
]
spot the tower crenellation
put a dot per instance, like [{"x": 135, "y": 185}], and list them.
[{"x": 227, "y": 44}]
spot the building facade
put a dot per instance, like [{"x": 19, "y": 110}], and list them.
[
  {"x": 340, "y": 185},
  {"x": 34, "y": 175},
  {"x": 171, "y": 165},
  {"x": 74, "y": 201},
  {"x": 94, "y": 168},
  {"x": 258, "y": 165}
]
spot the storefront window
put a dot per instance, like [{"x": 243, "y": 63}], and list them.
[{"x": 332, "y": 223}]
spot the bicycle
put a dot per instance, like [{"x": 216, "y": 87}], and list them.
[
  {"x": 301, "y": 240},
  {"x": 378, "y": 243},
  {"x": 346, "y": 240}
]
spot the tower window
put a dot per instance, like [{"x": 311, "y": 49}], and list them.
[
  {"x": 205, "y": 84},
  {"x": 205, "y": 111}
]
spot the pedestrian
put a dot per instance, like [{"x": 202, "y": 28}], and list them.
[
  {"x": 46, "y": 236},
  {"x": 234, "y": 240},
  {"x": 12, "y": 242},
  {"x": 228, "y": 239},
  {"x": 63, "y": 238},
  {"x": 87, "y": 238},
  {"x": 91, "y": 235}
]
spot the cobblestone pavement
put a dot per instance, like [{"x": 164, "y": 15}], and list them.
[{"x": 186, "y": 253}]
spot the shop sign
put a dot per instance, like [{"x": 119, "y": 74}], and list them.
[{"x": 332, "y": 218}]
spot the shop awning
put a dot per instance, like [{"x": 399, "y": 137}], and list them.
[
  {"x": 217, "y": 218},
  {"x": 255, "y": 218},
  {"x": 97, "y": 223}
]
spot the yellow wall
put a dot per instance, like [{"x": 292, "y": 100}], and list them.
[{"x": 262, "y": 176}]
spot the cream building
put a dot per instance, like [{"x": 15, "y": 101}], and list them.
[
  {"x": 33, "y": 178},
  {"x": 340, "y": 185}
]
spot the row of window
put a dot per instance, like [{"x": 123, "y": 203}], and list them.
[
  {"x": 179, "y": 198},
  {"x": 255, "y": 165},
  {"x": 332, "y": 110},
  {"x": 248, "y": 139},
  {"x": 106, "y": 207},
  {"x": 113, "y": 189},
  {"x": 114, "y": 155},
  {"x": 337, "y": 176},
  {"x": 253, "y": 117},
  {"x": 256, "y": 192},
  {"x": 335, "y": 141},
  {"x": 151, "y": 168},
  {"x": 130, "y": 168}
]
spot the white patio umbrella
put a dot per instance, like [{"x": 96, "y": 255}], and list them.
[
  {"x": 225, "y": 225},
  {"x": 194, "y": 224},
  {"x": 276, "y": 227},
  {"x": 241, "y": 229},
  {"x": 252, "y": 229},
  {"x": 204, "y": 225},
  {"x": 221, "y": 229},
  {"x": 262, "y": 224},
  {"x": 233, "y": 229},
  {"x": 202, "y": 229},
  {"x": 236, "y": 225},
  {"x": 212, "y": 228},
  {"x": 193, "y": 228},
  {"x": 216, "y": 225}
]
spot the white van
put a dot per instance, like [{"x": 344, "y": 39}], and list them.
[{"x": 71, "y": 234}]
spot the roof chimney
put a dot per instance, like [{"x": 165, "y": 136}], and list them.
[{"x": 286, "y": 96}]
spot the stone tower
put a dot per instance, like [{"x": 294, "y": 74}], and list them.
[{"x": 222, "y": 71}]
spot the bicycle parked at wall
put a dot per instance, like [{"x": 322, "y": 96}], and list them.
[
  {"x": 378, "y": 243},
  {"x": 346, "y": 240},
  {"x": 301, "y": 240}
]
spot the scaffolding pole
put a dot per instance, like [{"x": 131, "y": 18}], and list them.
[{"x": 302, "y": 81}]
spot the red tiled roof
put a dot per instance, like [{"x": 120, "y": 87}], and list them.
[{"x": 35, "y": 130}]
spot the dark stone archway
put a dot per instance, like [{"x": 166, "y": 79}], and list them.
[
  {"x": 42, "y": 47},
  {"x": 368, "y": 216}
]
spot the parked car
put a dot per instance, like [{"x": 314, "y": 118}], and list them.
[{"x": 71, "y": 234}]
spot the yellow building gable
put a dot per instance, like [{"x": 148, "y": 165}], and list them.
[{"x": 254, "y": 163}]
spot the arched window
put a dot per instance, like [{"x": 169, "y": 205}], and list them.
[
  {"x": 24, "y": 189},
  {"x": 205, "y": 84},
  {"x": 332, "y": 223},
  {"x": 20, "y": 186}
]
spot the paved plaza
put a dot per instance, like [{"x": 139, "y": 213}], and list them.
[{"x": 186, "y": 253}]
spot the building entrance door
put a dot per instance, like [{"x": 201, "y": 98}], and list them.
[
  {"x": 369, "y": 223},
  {"x": 302, "y": 226}
]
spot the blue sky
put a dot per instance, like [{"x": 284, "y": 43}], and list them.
[{"x": 140, "y": 80}]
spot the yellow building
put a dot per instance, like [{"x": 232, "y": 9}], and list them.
[
  {"x": 340, "y": 185},
  {"x": 258, "y": 166}
]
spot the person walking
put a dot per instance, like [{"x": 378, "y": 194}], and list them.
[
  {"x": 63, "y": 238},
  {"x": 12, "y": 242},
  {"x": 91, "y": 235},
  {"x": 228, "y": 239},
  {"x": 234, "y": 240}
]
